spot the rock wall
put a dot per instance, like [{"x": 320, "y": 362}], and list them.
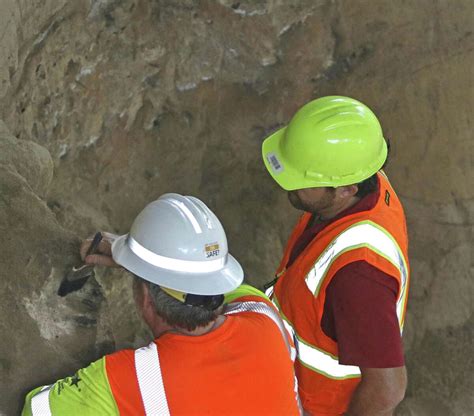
[{"x": 110, "y": 103}]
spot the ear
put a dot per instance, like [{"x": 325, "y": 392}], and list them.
[
  {"x": 142, "y": 297},
  {"x": 347, "y": 191},
  {"x": 147, "y": 302}
]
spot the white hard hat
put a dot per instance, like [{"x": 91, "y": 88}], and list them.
[{"x": 177, "y": 242}]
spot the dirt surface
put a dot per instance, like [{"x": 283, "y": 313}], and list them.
[{"x": 108, "y": 104}]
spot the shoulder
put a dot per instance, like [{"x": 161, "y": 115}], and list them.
[
  {"x": 245, "y": 293},
  {"x": 120, "y": 366},
  {"x": 120, "y": 357},
  {"x": 249, "y": 299},
  {"x": 255, "y": 306}
]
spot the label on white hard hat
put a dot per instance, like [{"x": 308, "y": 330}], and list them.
[
  {"x": 276, "y": 165},
  {"x": 212, "y": 250}
]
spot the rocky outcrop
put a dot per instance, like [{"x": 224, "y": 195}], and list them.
[
  {"x": 128, "y": 99},
  {"x": 36, "y": 326},
  {"x": 44, "y": 336}
]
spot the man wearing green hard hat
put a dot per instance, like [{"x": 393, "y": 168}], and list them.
[{"x": 342, "y": 283}]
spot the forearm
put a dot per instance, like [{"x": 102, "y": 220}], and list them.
[
  {"x": 365, "y": 402},
  {"x": 379, "y": 392}
]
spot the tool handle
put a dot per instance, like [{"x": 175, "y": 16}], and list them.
[{"x": 95, "y": 243}]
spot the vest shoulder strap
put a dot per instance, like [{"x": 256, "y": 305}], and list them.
[
  {"x": 264, "y": 309},
  {"x": 150, "y": 380},
  {"x": 362, "y": 234}
]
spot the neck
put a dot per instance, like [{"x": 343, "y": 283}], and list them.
[
  {"x": 335, "y": 209},
  {"x": 164, "y": 328}
]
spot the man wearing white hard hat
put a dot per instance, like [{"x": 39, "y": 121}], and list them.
[{"x": 219, "y": 348}]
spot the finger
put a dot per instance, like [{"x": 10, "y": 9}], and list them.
[
  {"x": 84, "y": 247},
  {"x": 104, "y": 247},
  {"x": 100, "y": 260}
]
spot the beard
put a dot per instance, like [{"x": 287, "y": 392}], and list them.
[
  {"x": 315, "y": 207},
  {"x": 296, "y": 201}
]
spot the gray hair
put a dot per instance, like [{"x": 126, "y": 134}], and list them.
[{"x": 178, "y": 314}]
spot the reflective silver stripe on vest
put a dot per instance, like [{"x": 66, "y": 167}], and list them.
[
  {"x": 264, "y": 309},
  {"x": 40, "y": 402},
  {"x": 150, "y": 381},
  {"x": 317, "y": 359},
  {"x": 362, "y": 234},
  {"x": 269, "y": 291},
  {"x": 324, "y": 363}
]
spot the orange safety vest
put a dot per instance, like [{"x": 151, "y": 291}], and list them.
[
  {"x": 377, "y": 236},
  {"x": 242, "y": 367}
]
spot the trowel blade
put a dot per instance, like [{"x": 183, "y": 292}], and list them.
[{"x": 75, "y": 279}]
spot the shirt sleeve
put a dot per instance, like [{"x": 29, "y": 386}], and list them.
[
  {"x": 360, "y": 314},
  {"x": 86, "y": 393}
]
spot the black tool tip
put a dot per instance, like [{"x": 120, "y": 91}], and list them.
[{"x": 67, "y": 286}]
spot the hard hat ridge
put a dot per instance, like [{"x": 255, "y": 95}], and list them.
[
  {"x": 206, "y": 213},
  {"x": 185, "y": 207}
]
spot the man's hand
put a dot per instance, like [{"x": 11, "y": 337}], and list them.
[
  {"x": 379, "y": 392},
  {"x": 103, "y": 255}
]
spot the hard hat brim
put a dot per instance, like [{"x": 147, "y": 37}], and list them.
[
  {"x": 284, "y": 176},
  {"x": 218, "y": 282}
]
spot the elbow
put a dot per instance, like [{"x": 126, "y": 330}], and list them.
[
  {"x": 402, "y": 386},
  {"x": 393, "y": 394},
  {"x": 392, "y": 398},
  {"x": 383, "y": 389}
]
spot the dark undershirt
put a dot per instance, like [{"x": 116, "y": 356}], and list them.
[{"x": 360, "y": 306}]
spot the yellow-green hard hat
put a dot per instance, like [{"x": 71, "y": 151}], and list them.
[{"x": 332, "y": 141}]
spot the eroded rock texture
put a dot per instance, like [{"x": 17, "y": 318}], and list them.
[{"x": 110, "y": 103}]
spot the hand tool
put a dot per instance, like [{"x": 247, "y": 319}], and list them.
[{"x": 78, "y": 276}]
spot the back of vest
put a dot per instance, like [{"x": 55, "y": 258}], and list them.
[{"x": 242, "y": 367}]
